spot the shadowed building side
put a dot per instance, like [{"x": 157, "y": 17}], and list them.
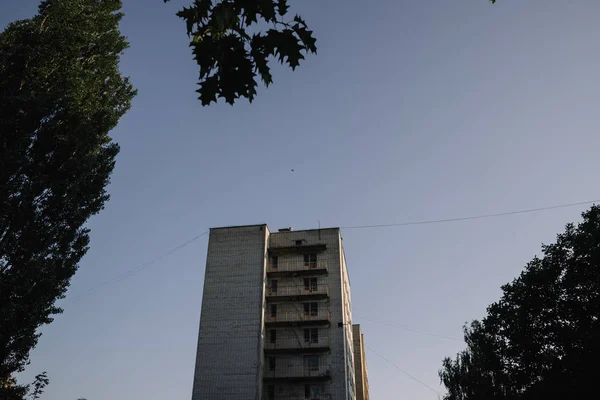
[{"x": 360, "y": 364}]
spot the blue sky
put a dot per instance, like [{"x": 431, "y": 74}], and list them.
[{"x": 411, "y": 110}]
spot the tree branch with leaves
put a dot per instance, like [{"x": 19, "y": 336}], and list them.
[{"x": 232, "y": 45}]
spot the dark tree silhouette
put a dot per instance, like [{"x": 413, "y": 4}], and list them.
[
  {"x": 60, "y": 94},
  {"x": 540, "y": 340}
]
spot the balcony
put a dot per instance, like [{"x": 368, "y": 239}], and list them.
[
  {"x": 297, "y": 344},
  {"x": 282, "y": 268},
  {"x": 298, "y": 317},
  {"x": 291, "y": 391},
  {"x": 297, "y": 246},
  {"x": 297, "y": 372},
  {"x": 302, "y": 397},
  {"x": 292, "y": 292}
]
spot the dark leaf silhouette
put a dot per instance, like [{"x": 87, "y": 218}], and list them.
[{"x": 232, "y": 48}]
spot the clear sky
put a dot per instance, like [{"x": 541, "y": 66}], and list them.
[{"x": 411, "y": 110}]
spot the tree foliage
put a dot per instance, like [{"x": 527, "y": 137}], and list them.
[
  {"x": 232, "y": 46},
  {"x": 60, "y": 94},
  {"x": 541, "y": 339},
  {"x": 10, "y": 390}
]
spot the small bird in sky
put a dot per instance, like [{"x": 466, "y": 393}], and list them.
[{"x": 292, "y": 170}]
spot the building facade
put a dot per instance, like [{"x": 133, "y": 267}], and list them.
[
  {"x": 276, "y": 319},
  {"x": 360, "y": 364}
]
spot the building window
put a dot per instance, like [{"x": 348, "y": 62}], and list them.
[
  {"x": 312, "y": 392},
  {"x": 311, "y": 309},
  {"x": 273, "y": 336},
  {"x": 314, "y": 335},
  {"x": 273, "y": 310},
  {"x": 310, "y": 284},
  {"x": 271, "y": 363},
  {"x": 274, "y": 262},
  {"x": 273, "y": 286},
  {"x": 311, "y": 335},
  {"x": 311, "y": 363},
  {"x": 310, "y": 260},
  {"x": 270, "y": 392},
  {"x": 298, "y": 242}
]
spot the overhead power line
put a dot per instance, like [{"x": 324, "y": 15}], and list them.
[
  {"x": 133, "y": 271},
  {"x": 404, "y": 372},
  {"x": 414, "y": 330},
  {"x": 439, "y": 221}
]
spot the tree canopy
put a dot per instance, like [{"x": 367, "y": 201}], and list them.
[
  {"x": 232, "y": 45},
  {"x": 60, "y": 94},
  {"x": 540, "y": 340}
]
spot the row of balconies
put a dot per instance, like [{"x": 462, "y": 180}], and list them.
[
  {"x": 296, "y": 345},
  {"x": 296, "y": 357}
]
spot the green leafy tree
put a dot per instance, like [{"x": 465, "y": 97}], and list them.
[
  {"x": 541, "y": 339},
  {"x": 232, "y": 46},
  {"x": 60, "y": 94}
]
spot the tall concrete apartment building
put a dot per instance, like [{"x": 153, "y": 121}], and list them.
[{"x": 276, "y": 319}]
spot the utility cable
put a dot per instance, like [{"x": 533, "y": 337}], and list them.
[
  {"x": 404, "y": 372},
  {"x": 414, "y": 330},
  {"x": 438, "y": 221},
  {"x": 133, "y": 271}
]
